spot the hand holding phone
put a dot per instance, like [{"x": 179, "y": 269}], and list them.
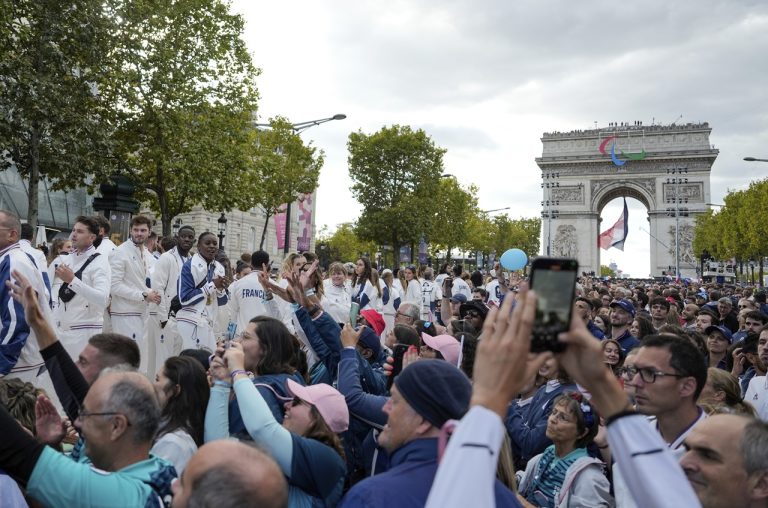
[
  {"x": 554, "y": 281},
  {"x": 398, "y": 351}
]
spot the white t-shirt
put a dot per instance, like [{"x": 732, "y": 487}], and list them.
[
  {"x": 757, "y": 395},
  {"x": 336, "y": 301},
  {"x": 494, "y": 292},
  {"x": 176, "y": 447},
  {"x": 461, "y": 287}
]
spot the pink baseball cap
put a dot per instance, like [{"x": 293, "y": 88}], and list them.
[
  {"x": 448, "y": 346},
  {"x": 329, "y": 403}
]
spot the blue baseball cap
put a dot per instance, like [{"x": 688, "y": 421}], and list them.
[
  {"x": 459, "y": 298},
  {"x": 722, "y": 329},
  {"x": 625, "y": 305}
]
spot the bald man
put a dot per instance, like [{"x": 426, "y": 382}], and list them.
[
  {"x": 118, "y": 420},
  {"x": 225, "y": 474},
  {"x": 727, "y": 461}
]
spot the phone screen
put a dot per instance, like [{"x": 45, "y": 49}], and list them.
[
  {"x": 398, "y": 351},
  {"x": 554, "y": 281},
  {"x": 354, "y": 312}
]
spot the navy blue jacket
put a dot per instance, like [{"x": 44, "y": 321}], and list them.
[
  {"x": 275, "y": 400},
  {"x": 627, "y": 341},
  {"x": 407, "y": 483},
  {"x": 527, "y": 426}
]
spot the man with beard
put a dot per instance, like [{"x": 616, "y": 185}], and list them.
[
  {"x": 131, "y": 296},
  {"x": 622, "y": 315}
]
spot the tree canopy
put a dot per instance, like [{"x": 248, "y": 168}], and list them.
[
  {"x": 395, "y": 174},
  {"x": 55, "y": 124},
  {"x": 186, "y": 95}
]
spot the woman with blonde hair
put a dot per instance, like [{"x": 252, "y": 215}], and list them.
[{"x": 722, "y": 394}]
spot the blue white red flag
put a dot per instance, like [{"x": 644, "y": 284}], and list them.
[{"x": 617, "y": 234}]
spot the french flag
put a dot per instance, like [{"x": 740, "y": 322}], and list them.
[{"x": 616, "y": 234}]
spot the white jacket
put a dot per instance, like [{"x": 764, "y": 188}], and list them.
[
  {"x": 246, "y": 301},
  {"x": 86, "y": 309},
  {"x": 336, "y": 301},
  {"x": 413, "y": 292},
  {"x": 165, "y": 279},
  {"x": 40, "y": 263},
  {"x": 19, "y": 351},
  {"x": 198, "y": 305},
  {"x": 130, "y": 270}
]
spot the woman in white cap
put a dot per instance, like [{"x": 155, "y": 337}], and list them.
[{"x": 306, "y": 446}]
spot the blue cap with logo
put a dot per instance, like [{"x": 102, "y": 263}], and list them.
[{"x": 625, "y": 305}]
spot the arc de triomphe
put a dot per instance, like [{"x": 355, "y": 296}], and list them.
[{"x": 666, "y": 168}]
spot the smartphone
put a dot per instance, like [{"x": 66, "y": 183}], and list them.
[
  {"x": 554, "y": 280},
  {"x": 398, "y": 351},
  {"x": 354, "y": 312},
  {"x": 231, "y": 329}
]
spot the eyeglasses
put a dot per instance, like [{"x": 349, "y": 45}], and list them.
[
  {"x": 297, "y": 402},
  {"x": 398, "y": 313},
  {"x": 472, "y": 314},
  {"x": 647, "y": 374},
  {"x": 82, "y": 415}
]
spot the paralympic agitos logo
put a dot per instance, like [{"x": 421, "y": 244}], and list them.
[{"x": 625, "y": 157}]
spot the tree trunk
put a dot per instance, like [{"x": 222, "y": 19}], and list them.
[
  {"x": 34, "y": 178},
  {"x": 165, "y": 219},
  {"x": 267, "y": 216},
  {"x": 760, "y": 282}
]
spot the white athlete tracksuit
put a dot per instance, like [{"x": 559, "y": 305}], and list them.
[
  {"x": 19, "y": 351},
  {"x": 165, "y": 280},
  {"x": 130, "y": 266},
  {"x": 83, "y": 316},
  {"x": 199, "y": 304}
]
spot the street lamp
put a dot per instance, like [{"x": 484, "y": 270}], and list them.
[
  {"x": 176, "y": 226},
  {"x": 298, "y": 128},
  {"x": 222, "y": 229},
  {"x": 496, "y": 210},
  {"x": 752, "y": 159}
]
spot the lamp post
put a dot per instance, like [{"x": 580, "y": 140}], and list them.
[
  {"x": 752, "y": 159},
  {"x": 176, "y": 226},
  {"x": 549, "y": 202},
  {"x": 676, "y": 212},
  {"x": 298, "y": 128},
  {"x": 222, "y": 229}
]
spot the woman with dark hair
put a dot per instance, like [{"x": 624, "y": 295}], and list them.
[
  {"x": 641, "y": 327},
  {"x": 613, "y": 354},
  {"x": 306, "y": 445},
  {"x": 364, "y": 291},
  {"x": 182, "y": 391},
  {"x": 564, "y": 475},
  {"x": 270, "y": 359},
  {"x": 413, "y": 287}
]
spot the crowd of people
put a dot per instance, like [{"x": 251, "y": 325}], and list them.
[{"x": 158, "y": 373}]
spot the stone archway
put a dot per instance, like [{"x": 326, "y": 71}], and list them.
[{"x": 671, "y": 178}]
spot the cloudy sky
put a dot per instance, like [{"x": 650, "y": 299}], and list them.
[{"x": 485, "y": 79}]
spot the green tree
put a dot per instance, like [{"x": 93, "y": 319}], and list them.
[
  {"x": 456, "y": 208},
  {"x": 345, "y": 244},
  {"x": 606, "y": 271},
  {"x": 55, "y": 123},
  {"x": 186, "y": 97},
  {"x": 395, "y": 174},
  {"x": 521, "y": 233},
  {"x": 285, "y": 167}
]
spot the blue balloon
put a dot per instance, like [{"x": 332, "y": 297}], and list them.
[{"x": 513, "y": 259}]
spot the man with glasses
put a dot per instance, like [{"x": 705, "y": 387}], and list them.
[
  {"x": 407, "y": 314},
  {"x": 667, "y": 375},
  {"x": 118, "y": 419}
]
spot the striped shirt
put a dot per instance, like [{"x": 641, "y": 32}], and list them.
[{"x": 550, "y": 475}]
